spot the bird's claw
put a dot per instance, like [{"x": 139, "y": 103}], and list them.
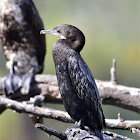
[{"x": 76, "y": 125}]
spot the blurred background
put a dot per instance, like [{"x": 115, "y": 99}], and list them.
[{"x": 112, "y": 30}]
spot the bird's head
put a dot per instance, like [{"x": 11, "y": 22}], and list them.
[{"x": 70, "y": 33}]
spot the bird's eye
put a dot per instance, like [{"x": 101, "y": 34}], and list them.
[
  {"x": 58, "y": 31},
  {"x": 73, "y": 39}
]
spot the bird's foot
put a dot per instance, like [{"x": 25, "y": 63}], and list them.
[
  {"x": 27, "y": 80},
  {"x": 76, "y": 125},
  {"x": 11, "y": 83}
]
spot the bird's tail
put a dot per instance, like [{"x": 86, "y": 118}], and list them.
[
  {"x": 98, "y": 133},
  {"x": 93, "y": 123}
]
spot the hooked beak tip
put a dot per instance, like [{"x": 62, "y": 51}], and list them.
[{"x": 42, "y": 32}]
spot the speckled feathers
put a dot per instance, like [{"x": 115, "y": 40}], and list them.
[
  {"x": 76, "y": 83},
  {"x": 85, "y": 86},
  {"x": 20, "y": 24}
]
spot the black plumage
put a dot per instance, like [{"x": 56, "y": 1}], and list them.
[
  {"x": 22, "y": 44},
  {"x": 76, "y": 83}
]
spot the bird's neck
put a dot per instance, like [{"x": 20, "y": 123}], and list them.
[
  {"x": 63, "y": 47},
  {"x": 60, "y": 51}
]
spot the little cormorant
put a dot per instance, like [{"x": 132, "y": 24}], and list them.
[
  {"x": 76, "y": 83},
  {"x": 22, "y": 44}
]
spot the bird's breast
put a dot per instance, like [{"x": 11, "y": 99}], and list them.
[
  {"x": 10, "y": 12},
  {"x": 21, "y": 61}
]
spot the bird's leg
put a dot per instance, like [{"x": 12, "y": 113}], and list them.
[
  {"x": 11, "y": 83},
  {"x": 27, "y": 80}
]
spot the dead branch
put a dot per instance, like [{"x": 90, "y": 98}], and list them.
[
  {"x": 77, "y": 133},
  {"x": 122, "y": 124},
  {"x": 73, "y": 134},
  {"x": 136, "y": 131},
  {"x": 50, "y": 131},
  {"x": 113, "y": 72},
  {"x": 35, "y": 110},
  {"x": 115, "y": 136},
  {"x": 119, "y": 95},
  {"x": 113, "y": 94},
  {"x": 61, "y": 115}
]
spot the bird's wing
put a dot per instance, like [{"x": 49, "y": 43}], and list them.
[
  {"x": 34, "y": 21},
  {"x": 85, "y": 86}
]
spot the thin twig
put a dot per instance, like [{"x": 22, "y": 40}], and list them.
[
  {"x": 50, "y": 131},
  {"x": 113, "y": 72}
]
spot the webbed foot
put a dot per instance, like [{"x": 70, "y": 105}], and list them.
[
  {"x": 27, "y": 80},
  {"x": 11, "y": 83}
]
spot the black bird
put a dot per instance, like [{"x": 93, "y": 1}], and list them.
[
  {"x": 76, "y": 83},
  {"x": 22, "y": 44}
]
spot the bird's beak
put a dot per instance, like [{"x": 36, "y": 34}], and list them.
[{"x": 52, "y": 32}]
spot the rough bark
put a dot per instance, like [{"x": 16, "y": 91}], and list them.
[{"x": 79, "y": 134}]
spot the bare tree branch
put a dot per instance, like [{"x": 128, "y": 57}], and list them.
[
  {"x": 119, "y": 95},
  {"x": 113, "y": 72},
  {"x": 122, "y": 124},
  {"x": 35, "y": 110},
  {"x": 136, "y": 131},
  {"x": 50, "y": 131},
  {"x": 115, "y": 136},
  {"x": 61, "y": 115},
  {"x": 113, "y": 94},
  {"x": 77, "y": 133}
]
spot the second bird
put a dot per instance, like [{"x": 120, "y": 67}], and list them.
[
  {"x": 22, "y": 44},
  {"x": 76, "y": 83}
]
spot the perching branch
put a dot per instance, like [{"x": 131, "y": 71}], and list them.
[{"x": 79, "y": 134}]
